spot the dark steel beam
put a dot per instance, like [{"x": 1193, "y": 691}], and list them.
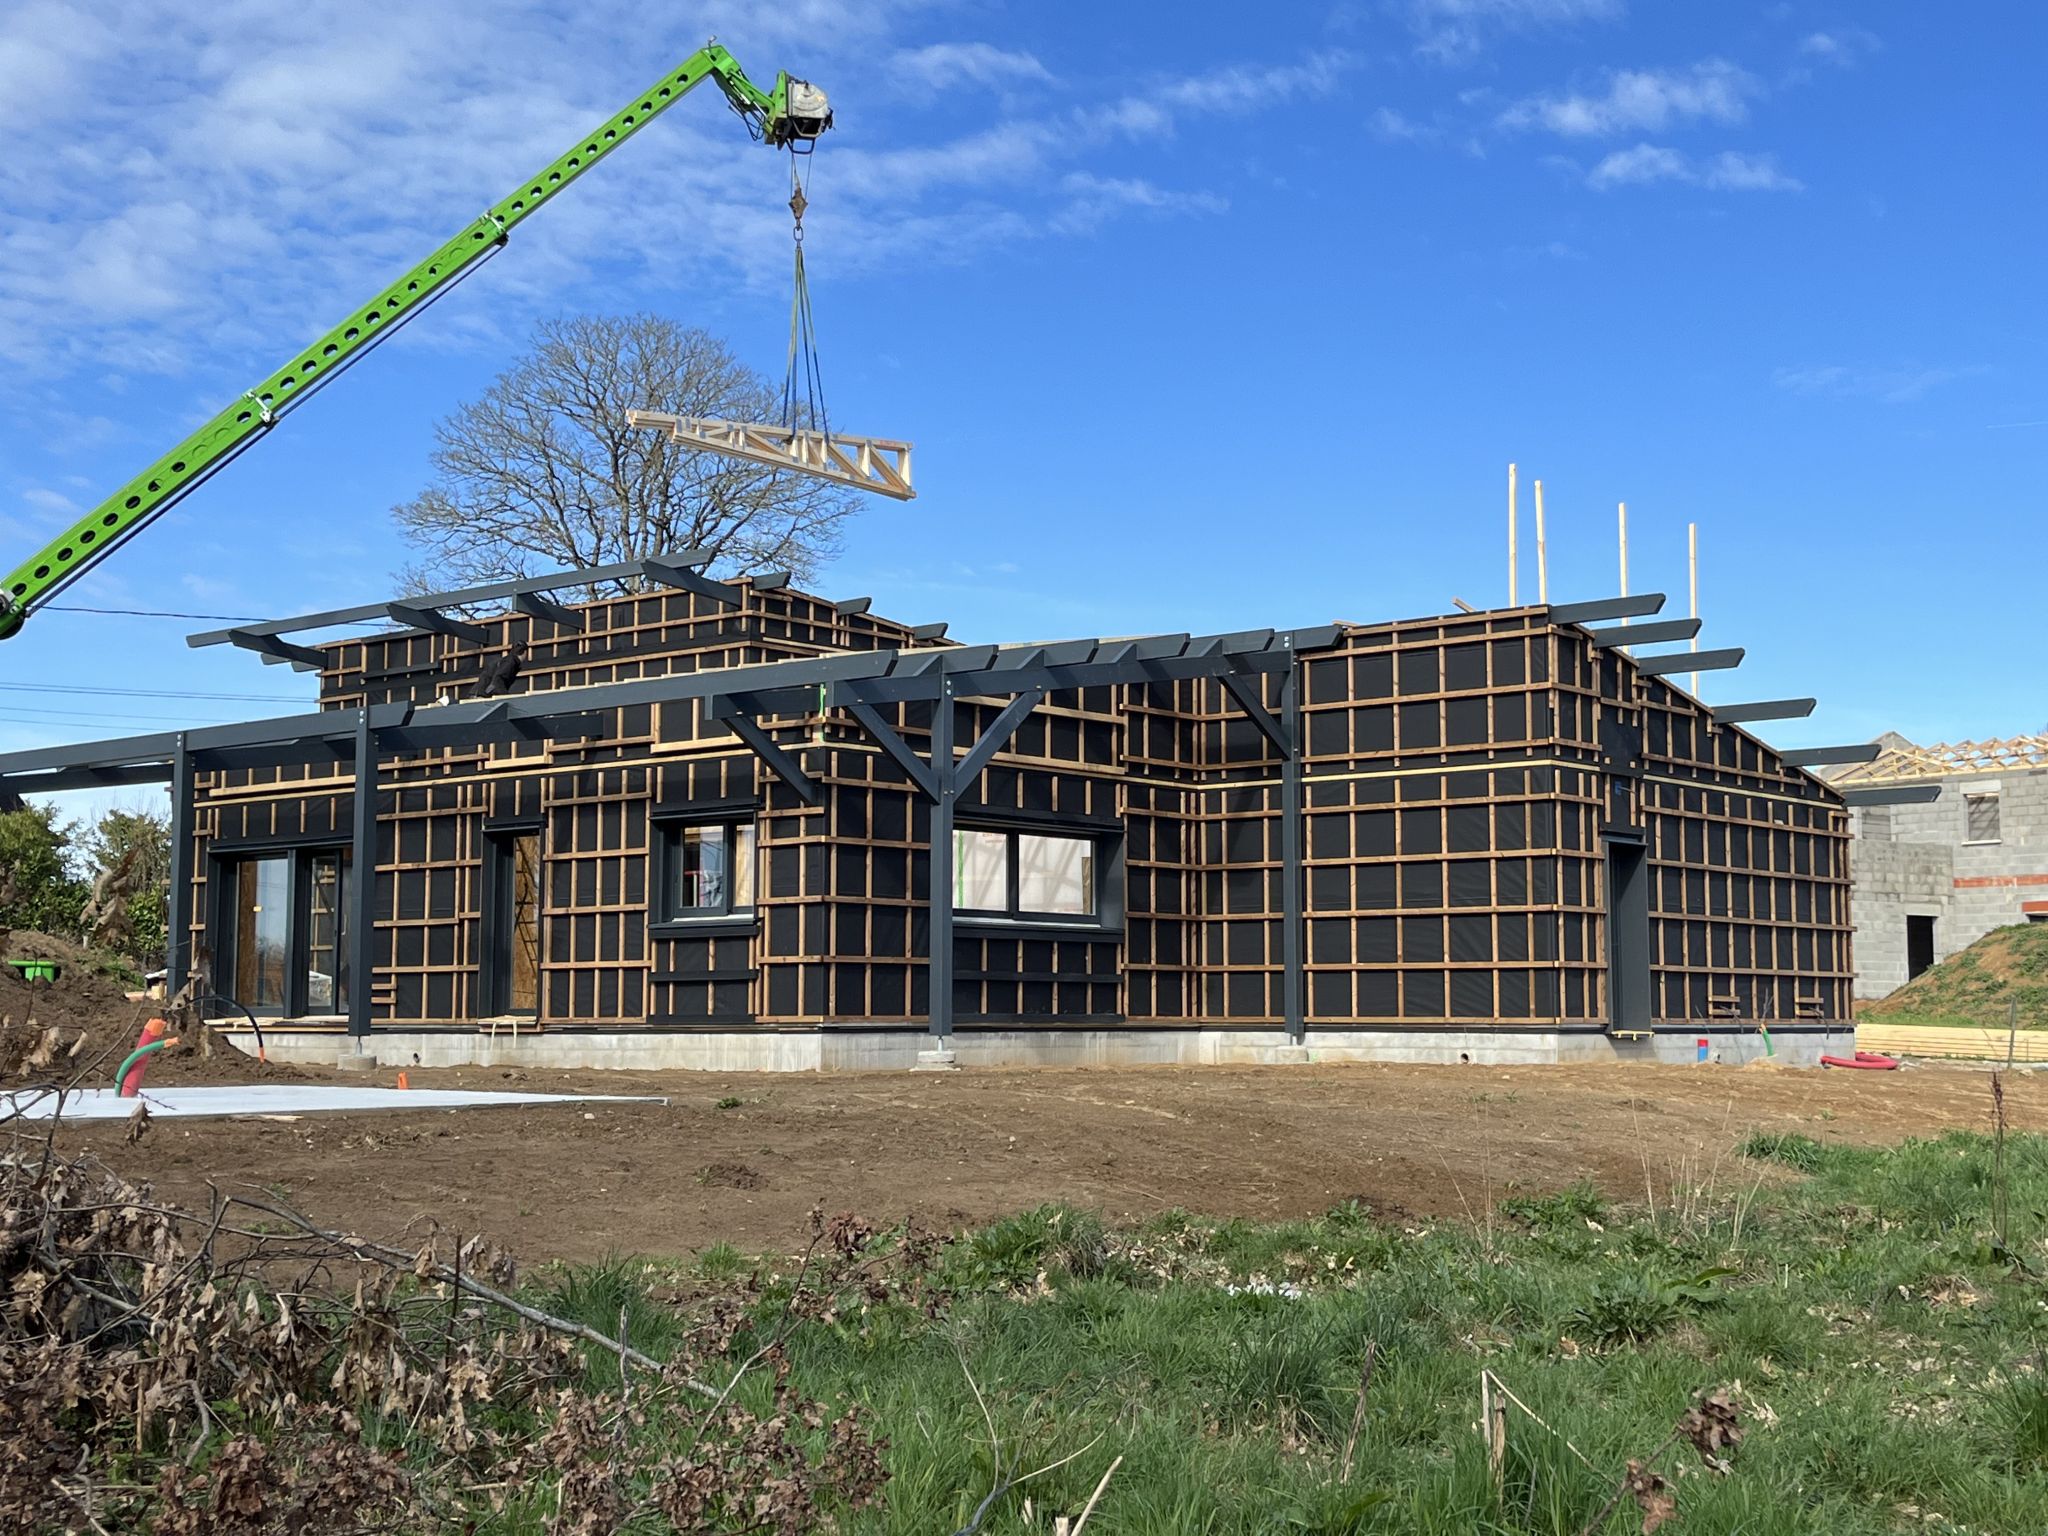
[
  {"x": 769, "y": 581},
  {"x": 462, "y": 597},
  {"x": 1254, "y": 708},
  {"x": 687, "y": 580},
  {"x": 1897, "y": 794},
  {"x": 1293, "y": 977},
  {"x": 992, "y": 741},
  {"x": 285, "y": 755},
  {"x": 56, "y": 781},
  {"x": 178, "y": 937},
  {"x": 848, "y": 607},
  {"x": 270, "y": 648},
  {"x": 1635, "y": 607},
  {"x": 780, "y": 763},
  {"x": 362, "y": 890},
  {"x": 1762, "y": 709},
  {"x": 1814, "y": 757},
  {"x": 535, "y": 606},
  {"x": 941, "y": 784},
  {"x": 1689, "y": 661},
  {"x": 1644, "y": 634},
  {"x": 884, "y": 736},
  {"x": 436, "y": 622},
  {"x": 928, "y": 633}
]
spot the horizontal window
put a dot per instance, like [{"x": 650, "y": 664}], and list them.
[
  {"x": 1024, "y": 875},
  {"x": 708, "y": 869}
]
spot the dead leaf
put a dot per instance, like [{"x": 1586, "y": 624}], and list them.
[{"x": 1652, "y": 1495}]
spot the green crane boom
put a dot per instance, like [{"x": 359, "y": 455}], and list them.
[{"x": 793, "y": 114}]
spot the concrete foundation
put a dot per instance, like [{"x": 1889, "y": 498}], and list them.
[{"x": 879, "y": 1049}]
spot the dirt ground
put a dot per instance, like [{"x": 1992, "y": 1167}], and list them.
[{"x": 576, "y": 1181}]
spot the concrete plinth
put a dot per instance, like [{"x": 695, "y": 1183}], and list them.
[{"x": 857, "y": 1048}]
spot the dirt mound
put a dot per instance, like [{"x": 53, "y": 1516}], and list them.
[
  {"x": 84, "y": 1002},
  {"x": 1977, "y": 986},
  {"x": 52, "y": 1030}
]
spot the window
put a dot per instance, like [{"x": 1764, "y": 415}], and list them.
[
  {"x": 263, "y": 912},
  {"x": 1023, "y": 874},
  {"x": 1980, "y": 818},
  {"x": 326, "y": 919},
  {"x": 286, "y": 929},
  {"x": 709, "y": 869}
]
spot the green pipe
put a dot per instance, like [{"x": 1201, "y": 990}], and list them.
[{"x": 121, "y": 1072}]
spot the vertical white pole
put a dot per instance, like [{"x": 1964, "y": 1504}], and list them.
[
  {"x": 1512, "y": 560},
  {"x": 1692, "y": 571},
  {"x": 1542, "y": 553},
  {"x": 1624, "y": 563}
]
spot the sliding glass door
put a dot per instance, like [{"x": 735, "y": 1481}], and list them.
[{"x": 283, "y": 920}]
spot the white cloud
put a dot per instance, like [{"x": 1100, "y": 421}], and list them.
[
  {"x": 289, "y": 159},
  {"x": 1395, "y": 128},
  {"x": 1725, "y": 172},
  {"x": 49, "y": 500},
  {"x": 1092, "y": 199},
  {"x": 1248, "y": 87},
  {"x": 1634, "y": 167},
  {"x": 1643, "y": 100},
  {"x": 943, "y": 65},
  {"x": 1845, "y": 47},
  {"x": 1890, "y": 386},
  {"x": 1452, "y": 30},
  {"x": 1733, "y": 172}
]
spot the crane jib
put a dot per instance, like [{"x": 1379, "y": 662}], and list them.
[{"x": 769, "y": 116}]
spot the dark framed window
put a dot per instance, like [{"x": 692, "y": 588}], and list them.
[
  {"x": 1027, "y": 876},
  {"x": 283, "y": 922},
  {"x": 705, "y": 869}
]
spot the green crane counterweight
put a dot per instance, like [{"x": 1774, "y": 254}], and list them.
[{"x": 791, "y": 116}]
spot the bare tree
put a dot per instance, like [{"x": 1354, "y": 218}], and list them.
[{"x": 543, "y": 473}]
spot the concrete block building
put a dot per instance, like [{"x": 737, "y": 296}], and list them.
[
  {"x": 734, "y": 824},
  {"x": 1932, "y": 877}
]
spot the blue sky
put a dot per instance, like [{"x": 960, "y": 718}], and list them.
[{"x": 1198, "y": 323}]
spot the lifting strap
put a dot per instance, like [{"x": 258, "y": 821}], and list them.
[{"x": 803, "y": 336}]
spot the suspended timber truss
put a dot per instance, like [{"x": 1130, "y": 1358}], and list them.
[{"x": 865, "y": 463}]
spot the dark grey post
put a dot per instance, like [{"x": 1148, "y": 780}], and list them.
[
  {"x": 1292, "y": 981},
  {"x": 945, "y": 777},
  {"x": 178, "y": 929},
  {"x": 362, "y": 877}
]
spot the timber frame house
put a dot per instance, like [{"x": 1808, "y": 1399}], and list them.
[{"x": 715, "y": 814}]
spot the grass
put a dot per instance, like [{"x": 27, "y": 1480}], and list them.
[
  {"x": 1977, "y": 987},
  {"x": 1892, "y": 1360}
]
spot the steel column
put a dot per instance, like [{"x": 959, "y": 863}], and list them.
[
  {"x": 178, "y": 930},
  {"x": 362, "y": 888},
  {"x": 1293, "y": 986},
  {"x": 945, "y": 784}
]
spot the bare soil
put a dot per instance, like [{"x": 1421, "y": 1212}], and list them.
[
  {"x": 97, "y": 1023},
  {"x": 577, "y": 1181}
]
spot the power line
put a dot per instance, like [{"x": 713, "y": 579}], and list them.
[
  {"x": 156, "y": 693},
  {"x": 38, "y": 712},
  {"x": 149, "y": 613}
]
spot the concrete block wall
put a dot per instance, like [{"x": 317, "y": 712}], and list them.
[{"x": 1917, "y": 861}]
